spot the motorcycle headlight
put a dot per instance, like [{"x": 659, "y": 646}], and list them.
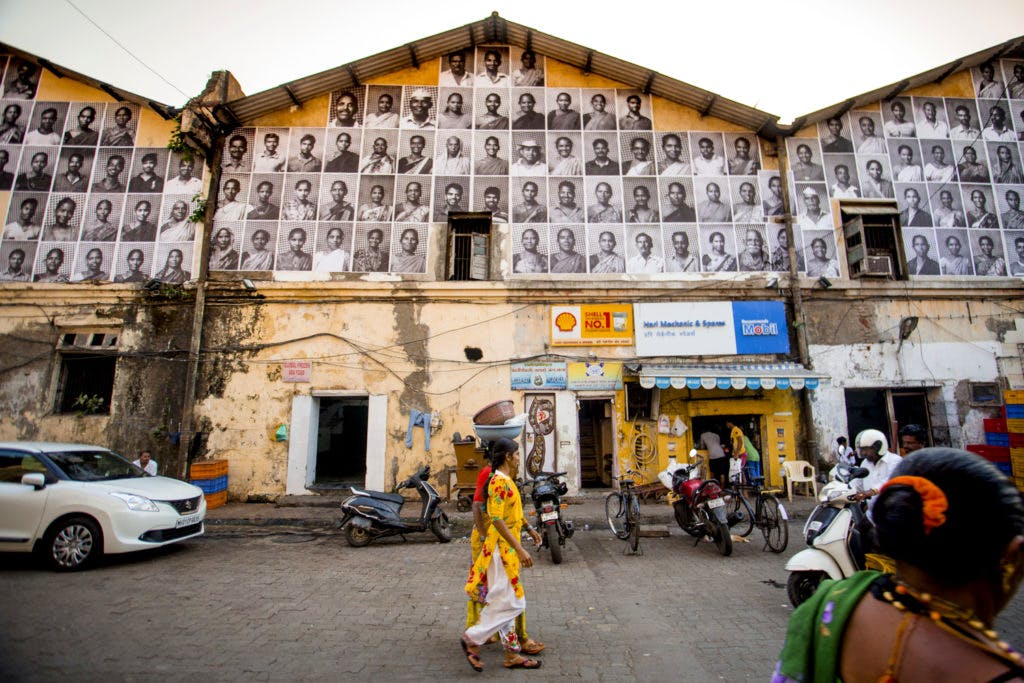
[{"x": 137, "y": 502}]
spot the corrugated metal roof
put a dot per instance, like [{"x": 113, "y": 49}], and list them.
[
  {"x": 1012, "y": 47},
  {"x": 495, "y": 29},
  {"x": 117, "y": 93}
]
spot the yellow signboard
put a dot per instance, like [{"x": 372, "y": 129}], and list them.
[{"x": 592, "y": 325}]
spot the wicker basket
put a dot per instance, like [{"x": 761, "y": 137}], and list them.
[{"x": 495, "y": 414}]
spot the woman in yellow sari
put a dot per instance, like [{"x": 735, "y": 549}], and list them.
[{"x": 494, "y": 577}]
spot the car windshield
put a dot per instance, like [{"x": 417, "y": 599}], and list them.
[{"x": 94, "y": 465}]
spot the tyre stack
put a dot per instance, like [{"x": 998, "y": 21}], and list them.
[{"x": 212, "y": 477}]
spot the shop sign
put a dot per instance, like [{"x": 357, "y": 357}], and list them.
[
  {"x": 711, "y": 328},
  {"x": 595, "y": 376},
  {"x": 537, "y": 374},
  {"x": 296, "y": 370},
  {"x": 592, "y": 325}
]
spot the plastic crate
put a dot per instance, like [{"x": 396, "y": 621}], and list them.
[
  {"x": 1015, "y": 425},
  {"x": 1004, "y": 467},
  {"x": 215, "y": 500},
  {"x": 1016, "y": 440},
  {"x": 212, "y": 485},
  {"x": 991, "y": 453},
  {"x": 995, "y": 424},
  {"x": 997, "y": 439},
  {"x": 1013, "y": 396},
  {"x": 208, "y": 469},
  {"x": 1014, "y": 410},
  {"x": 1017, "y": 464}
]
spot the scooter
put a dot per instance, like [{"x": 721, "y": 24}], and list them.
[
  {"x": 547, "y": 494},
  {"x": 373, "y": 514},
  {"x": 833, "y": 532},
  {"x": 699, "y": 505}
]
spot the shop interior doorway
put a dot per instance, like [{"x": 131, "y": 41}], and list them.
[
  {"x": 750, "y": 424},
  {"x": 341, "y": 442},
  {"x": 886, "y": 410},
  {"x": 596, "y": 445}
]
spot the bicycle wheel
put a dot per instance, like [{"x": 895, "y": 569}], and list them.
[
  {"x": 615, "y": 512},
  {"x": 773, "y": 524},
  {"x": 741, "y": 517},
  {"x": 633, "y": 523}
]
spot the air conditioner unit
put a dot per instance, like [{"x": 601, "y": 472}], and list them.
[{"x": 877, "y": 266}]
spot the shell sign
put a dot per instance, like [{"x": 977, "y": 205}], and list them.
[{"x": 592, "y": 325}]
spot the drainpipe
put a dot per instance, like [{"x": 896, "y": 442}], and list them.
[
  {"x": 807, "y": 446},
  {"x": 199, "y": 312}
]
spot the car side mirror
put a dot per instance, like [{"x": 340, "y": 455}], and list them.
[{"x": 36, "y": 480}]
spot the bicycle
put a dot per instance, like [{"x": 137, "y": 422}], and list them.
[
  {"x": 622, "y": 509},
  {"x": 768, "y": 515}
]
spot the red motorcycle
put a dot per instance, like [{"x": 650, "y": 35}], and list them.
[{"x": 699, "y": 506}]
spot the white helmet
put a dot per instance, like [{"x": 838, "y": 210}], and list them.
[{"x": 872, "y": 438}]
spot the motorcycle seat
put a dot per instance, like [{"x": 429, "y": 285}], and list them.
[{"x": 380, "y": 495}]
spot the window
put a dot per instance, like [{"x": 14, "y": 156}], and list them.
[
  {"x": 874, "y": 245},
  {"x": 985, "y": 394},
  {"x": 641, "y": 403},
  {"x": 469, "y": 246},
  {"x": 87, "y": 364},
  {"x": 14, "y": 465}
]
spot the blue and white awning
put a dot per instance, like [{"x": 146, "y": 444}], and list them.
[{"x": 729, "y": 376}]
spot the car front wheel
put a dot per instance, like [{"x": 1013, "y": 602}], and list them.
[{"x": 73, "y": 544}]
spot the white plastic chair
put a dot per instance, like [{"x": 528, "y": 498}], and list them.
[{"x": 799, "y": 472}]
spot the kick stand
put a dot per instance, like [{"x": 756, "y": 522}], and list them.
[{"x": 626, "y": 551}]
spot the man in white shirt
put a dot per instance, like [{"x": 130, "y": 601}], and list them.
[
  {"x": 997, "y": 130},
  {"x": 931, "y": 127},
  {"x": 146, "y": 462},
  {"x": 645, "y": 261},
  {"x": 184, "y": 182},
  {"x": 878, "y": 461},
  {"x": 456, "y": 75},
  {"x": 707, "y": 162}
]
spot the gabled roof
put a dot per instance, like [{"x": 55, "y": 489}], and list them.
[
  {"x": 495, "y": 29},
  {"x": 1011, "y": 48},
  {"x": 164, "y": 110}
]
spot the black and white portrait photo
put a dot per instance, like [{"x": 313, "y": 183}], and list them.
[
  {"x": 455, "y": 109},
  {"x": 111, "y": 170},
  {"x": 102, "y": 220},
  {"x": 409, "y": 249},
  {"x": 681, "y": 249},
  {"x": 371, "y": 248},
  {"x": 300, "y": 197},
  {"x": 962, "y": 114},
  {"x": 491, "y": 109},
  {"x": 1004, "y": 163},
  {"x": 946, "y": 206},
  {"x": 637, "y": 153},
  {"x": 93, "y": 262},
  {"x": 712, "y": 199},
  {"x": 133, "y": 263},
  {"x": 224, "y": 245},
  {"x": 415, "y": 152},
  {"x": 707, "y": 154},
  {"x": 457, "y": 69},
  {"x": 606, "y": 249},
  {"x": 1015, "y": 252},
  {"x": 978, "y": 201},
  {"x": 527, "y": 68},
  {"x": 74, "y": 169},
  {"x": 345, "y": 110},
  {"x": 525, "y": 106},
  {"x": 376, "y": 199},
  {"x": 21, "y": 81},
  {"x": 232, "y": 204},
  {"x": 173, "y": 263},
  {"x": 905, "y": 157},
  {"x": 141, "y": 214},
  {"x": 634, "y": 110},
  {"x": 383, "y": 105},
  {"x": 604, "y": 201},
  {"x": 8, "y": 162},
  {"x": 598, "y": 107},
  {"x": 988, "y": 81},
  {"x": 875, "y": 176},
  {"x": 912, "y": 201},
  {"x": 898, "y": 118},
  {"x": 954, "y": 252},
  {"x": 675, "y": 196},
  {"x": 746, "y": 204},
  {"x": 939, "y": 166},
  {"x": 148, "y": 172},
  {"x": 563, "y": 153},
  {"x": 564, "y": 247},
  {"x": 412, "y": 203},
  {"x": 258, "y": 247},
  {"x": 25, "y": 214},
  {"x": 331, "y": 253},
  {"x": 743, "y": 152},
  {"x": 46, "y": 123},
  {"x": 805, "y": 159},
  {"x": 451, "y": 195},
  {"x": 238, "y": 148},
  {"x": 16, "y": 260},
  {"x": 175, "y": 220},
  {"x": 184, "y": 174},
  {"x": 601, "y": 154},
  {"x": 563, "y": 109},
  {"x": 1011, "y": 213},
  {"x": 343, "y": 153},
  {"x": 265, "y": 192},
  {"x": 672, "y": 154},
  {"x": 64, "y": 213},
  {"x": 295, "y": 246},
  {"x": 35, "y": 172},
  {"x": 379, "y": 152},
  {"x": 841, "y": 176},
  {"x": 337, "y": 194},
  {"x": 752, "y": 249},
  {"x": 930, "y": 115},
  {"x": 778, "y": 248},
  {"x": 491, "y": 153},
  {"x": 53, "y": 262},
  {"x": 820, "y": 253},
  {"x": 717, "y": 249},
  {"x": 770, "y": 185},
  {"x": 814, "y": 211},
  {"x": 530, "y": 249},
  {"x": 1013, "y": 76},
  {"x": 419, "y": 107},
  {"x": 528, "y": 158},
  {"x": 272, "y": 155},
  {"x": 307, "y": 150},
  {"x": 530, "y": 200},
  {"x": 835, "y": 135},
  {"x": 454, "y": 155},
  {"x": 643, "y": 249},
  {"x": 640, "y": 200},
  {"x": 867, "y": 136},
  {"x": 919, "y": 246},
  {"x": 492, "y": 197},
  {"x": 987, "y": 252},
  {"x": 119, "y": 125},
  {"x": 81, "y": 129},
  {"x": 492, "y": 63}
]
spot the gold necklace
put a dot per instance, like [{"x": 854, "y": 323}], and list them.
[{"x": 947, "y": 615}]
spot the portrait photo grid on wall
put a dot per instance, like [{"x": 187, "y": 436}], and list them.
[
  {"x": 948, "y": 163},
  {"x": 85, "y": 203}
]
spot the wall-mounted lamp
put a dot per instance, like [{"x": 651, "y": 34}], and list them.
[
  {"x": 772, "y": 281},
  {"x": 249, "y": 285},
  {"x": 824, "y": 282},
  {"x": 907, "y": 326}
]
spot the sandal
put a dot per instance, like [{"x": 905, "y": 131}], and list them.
[
  {"x": 523, "y": 663},
  {"x": 472, "y": 655},
  {"x": 532, "y": 647}
]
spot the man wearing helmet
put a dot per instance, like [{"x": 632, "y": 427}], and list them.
[{"x": 877, "y": 460}]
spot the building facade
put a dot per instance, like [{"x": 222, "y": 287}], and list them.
[{"x": 390, "y": 246}]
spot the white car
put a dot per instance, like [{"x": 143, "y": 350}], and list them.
[{"x": 73, "y": 502}]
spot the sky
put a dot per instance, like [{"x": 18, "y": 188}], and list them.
[{"x": 786, "y": 57}]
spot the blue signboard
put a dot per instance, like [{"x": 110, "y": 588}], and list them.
[{"x": 760, "y": 327}]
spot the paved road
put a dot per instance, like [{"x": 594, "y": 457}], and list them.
[{"x": 277, "y": 604}]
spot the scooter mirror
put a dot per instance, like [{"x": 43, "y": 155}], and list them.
[
  {"x": 693, "y": 452},
  {"x": 858, "y": 473}
]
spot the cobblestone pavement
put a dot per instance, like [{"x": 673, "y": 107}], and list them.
[{"x": 284, "y": 604}]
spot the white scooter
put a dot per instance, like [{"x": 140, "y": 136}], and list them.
[{"x": 836, "y": 549}]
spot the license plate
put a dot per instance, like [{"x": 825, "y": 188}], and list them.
[
  {"x": 548, "y": 516},
  {"x": 782, "y": 512},
  {"x": 188, "y": 521},
  {"x": 716, "y": 503}
]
